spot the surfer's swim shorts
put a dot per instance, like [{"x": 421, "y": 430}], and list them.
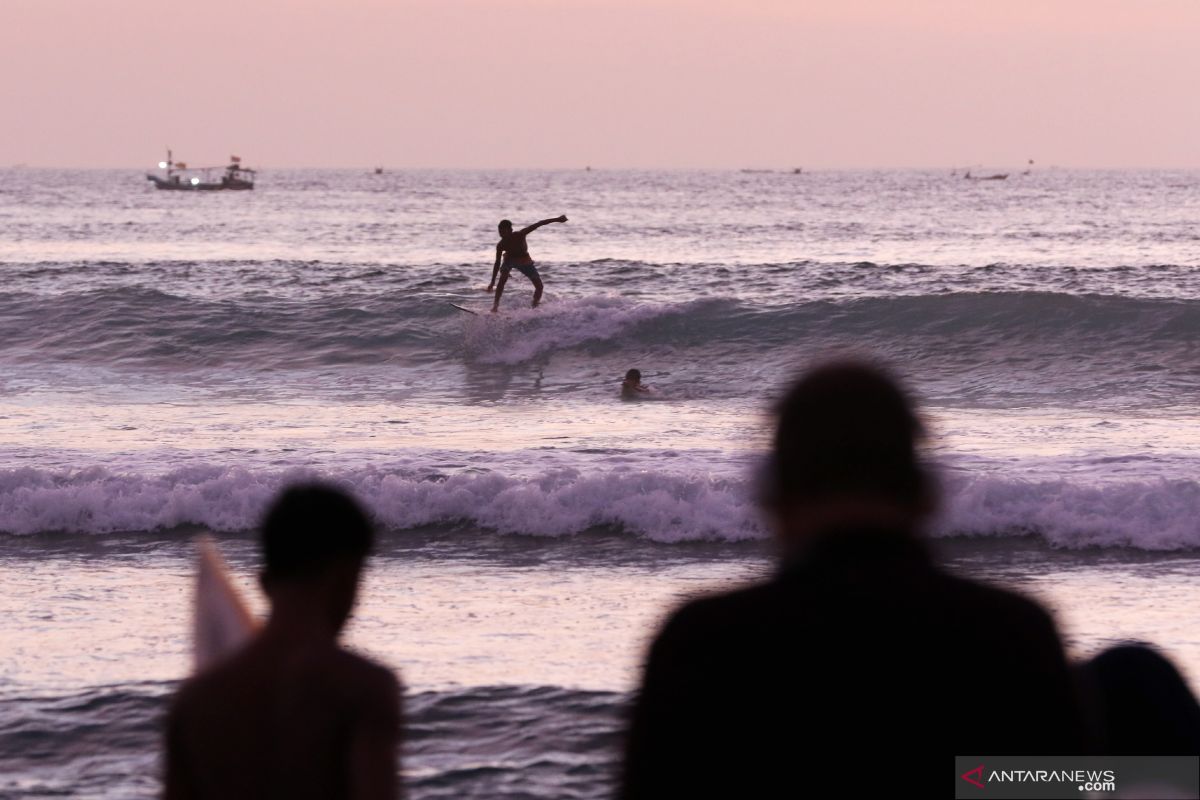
[{"x": 527, "y": 269}]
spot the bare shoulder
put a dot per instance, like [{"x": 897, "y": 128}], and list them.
[
  {"x": 208, "y": 699},
  {"x": 214, "y": 682},
  {"x": 338, "y": 675},
  {"x": 185, "y": 696},
  {"x": 367, "y": 675}
]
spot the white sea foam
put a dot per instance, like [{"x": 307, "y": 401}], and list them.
[
  {"x": 523, "y": 334},
  {"x": 662, "y": 507},
  {"x": 1148, "y": 515},
  {"x": 666, "y": 507}
]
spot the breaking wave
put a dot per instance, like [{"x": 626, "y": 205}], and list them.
[
  {"x": 664, "y": 507},
  {"x": 134, "y": 324}
]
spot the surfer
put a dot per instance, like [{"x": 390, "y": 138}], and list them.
[
  {"x": 513, "y": 251},
  {"x": 292, "y": 714}
]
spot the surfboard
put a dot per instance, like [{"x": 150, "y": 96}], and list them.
[
  {"x": 460, "y": 308},
  {"x": 221, "y": 621}
]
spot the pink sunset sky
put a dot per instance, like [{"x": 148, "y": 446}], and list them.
[{"x": 618, "y": 83}]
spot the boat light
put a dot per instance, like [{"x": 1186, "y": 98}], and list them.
[
  {"x": 195, "y": 181},
  {"x": 162, "y": 165}
]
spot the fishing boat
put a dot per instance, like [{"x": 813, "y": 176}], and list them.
[
  {"x": 999, "y": 176},
  {"x": 179, "y": 176}
]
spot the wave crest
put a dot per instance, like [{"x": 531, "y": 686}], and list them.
[
  {"x": 664, "y": 507},
  {"x": 144, "y": 325},
  {"x": 658, "y": 506}
]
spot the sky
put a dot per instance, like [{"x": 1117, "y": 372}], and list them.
[{"x": 605, "y": 83}]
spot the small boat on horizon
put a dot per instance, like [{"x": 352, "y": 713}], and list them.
[
  {"x": 999, "y": 176},
  {"x": 181, "y": 177}
]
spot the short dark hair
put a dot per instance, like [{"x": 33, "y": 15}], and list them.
[
  {"x": 633, "y": 375},
  {"x": 310, "y": 525},
  {"x": 845, "y": 428},
  {"x": 506, "y": 223}
]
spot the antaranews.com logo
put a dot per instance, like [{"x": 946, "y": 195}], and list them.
[
  {"x": 1088, "y": 780},
  {"x": 1052, "y": 777}
]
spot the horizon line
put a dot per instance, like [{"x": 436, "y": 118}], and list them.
[{"x": 614, "y": 168}]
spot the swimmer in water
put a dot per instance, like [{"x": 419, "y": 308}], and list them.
[
  {"x": 632, "y": 388},
  {"x": 512, "y": 251}
]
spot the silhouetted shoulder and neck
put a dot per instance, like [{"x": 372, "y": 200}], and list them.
[
  {"x": 632, "y": 387},
  {"x": 292, "y": 714},
  {"x": 860, "y": 666}
]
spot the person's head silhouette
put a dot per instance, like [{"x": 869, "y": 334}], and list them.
[
  {"x": 326, "y": 707},
  {"x": 506, "y": 227},
  {"x": 315, "y": 539},
  {"x": 845, "y": 452}
]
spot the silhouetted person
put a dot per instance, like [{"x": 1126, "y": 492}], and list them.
[
  {"x": 632, "y": 388},
  {"x": 860, "y": 668},
  {"x": 513, "y": 251},
  {"x": 292, "y": 714},
  {"x": 1142, "y": 705}
]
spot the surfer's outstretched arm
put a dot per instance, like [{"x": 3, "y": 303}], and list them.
[
  {"x": 536, "y": 225},
  {"x": 496, "y": 267}
]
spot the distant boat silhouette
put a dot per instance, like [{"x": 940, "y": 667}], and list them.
[
  {"x": 181, "y": 177},
  {"x": 997, "y": 177}
]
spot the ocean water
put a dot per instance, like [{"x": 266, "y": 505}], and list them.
[{"x": 169, "y": 360}]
